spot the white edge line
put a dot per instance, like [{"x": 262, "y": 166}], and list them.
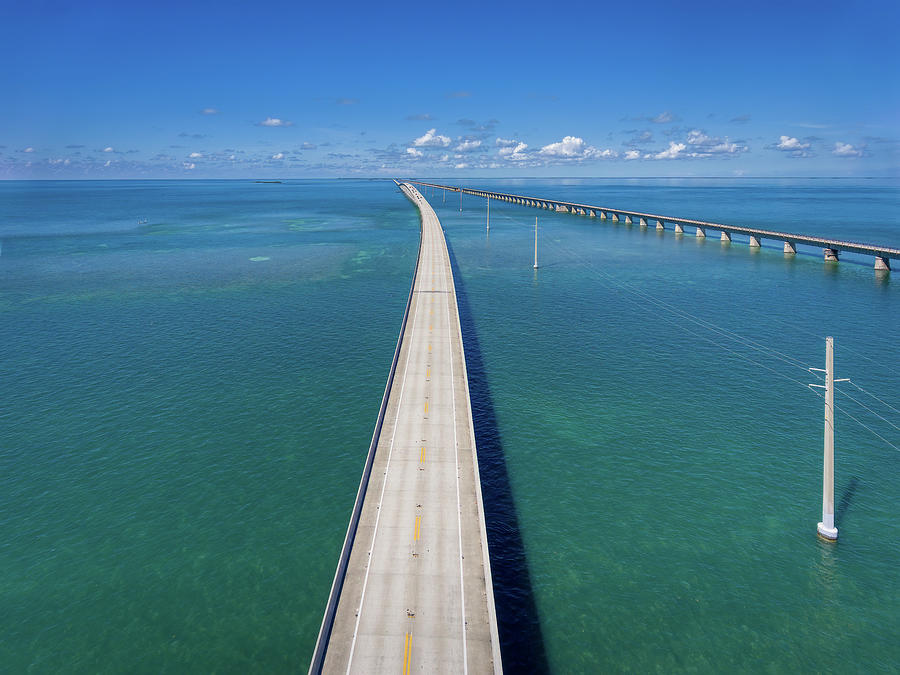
[{"x": 383, "y": 486}]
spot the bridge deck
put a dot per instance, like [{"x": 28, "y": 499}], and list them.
[
  {"x": 884, "y": 252},
  {"x": 417, "y": 595}
]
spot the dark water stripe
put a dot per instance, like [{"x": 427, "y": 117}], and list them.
[{"x": 521, "y": 641}]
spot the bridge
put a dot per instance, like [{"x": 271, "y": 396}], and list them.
[
  {"x": 413, "y": 590},
  {"x": 831, "y": 248}
]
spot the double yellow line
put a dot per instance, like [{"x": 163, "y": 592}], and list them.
[{"x": 407, "y": 655}]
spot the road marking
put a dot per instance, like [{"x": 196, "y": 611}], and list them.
[
  {"x": 429, "y": 349},
  {"x": 428, "y": 374},
  {"x": 362, "y": 595},
  {"x": 418, "y": 527},
  {"x": 407, "y": 654},
  {"x": 426, "y": 407},
  {"x": 422, "y": 458}
]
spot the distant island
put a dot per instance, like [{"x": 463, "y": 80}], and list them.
[{"x": 268, "y": 181}]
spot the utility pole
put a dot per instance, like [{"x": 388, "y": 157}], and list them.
[
  {"x": 489, "y": 214},
  {"x": 460, "y": 200},
  {"x": 535, "y": 243},
  {"x": 826, "y": 528}
]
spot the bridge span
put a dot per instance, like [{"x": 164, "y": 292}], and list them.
[
  {"x": 413, "y": 590},
  {"x": 831, "y": 248}
]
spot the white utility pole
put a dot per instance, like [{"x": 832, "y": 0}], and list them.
[
  {"x": 826, "y": 528},
  {"x": 489, "y": 214},
  {"x": 460, "y": 200},
  {"x": 535, "y": 243}
]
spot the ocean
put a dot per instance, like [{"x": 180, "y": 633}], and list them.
[{"x": 191, "y": 372}]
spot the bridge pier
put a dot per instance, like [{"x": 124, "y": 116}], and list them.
[
  {"x": 700, "y": 232},
  {"x": 726, "y": 236},
  {"x": 831, "y": 255},
  {"x": 643, "y": 223},
  {"x": 603, "y": 215},
  {"x": 882, "y": 263},
  {"x": 592, "y": 213},
  {"x": 660, "y": 225},
  {"x": 790, "y": 248},
  {"x": 679, "y": 228},
  {"x": 628, "y": 220},
  {"x": 754, "y": 242},
  {"x": 615, "y": 217}
]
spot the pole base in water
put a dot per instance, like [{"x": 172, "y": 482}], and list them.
[{"x": 829, "y": 533}]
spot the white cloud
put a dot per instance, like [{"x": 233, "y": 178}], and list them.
[
  {"x": 108, "y": 148},
  {"x": 706, "y": 146},
  {"x": 28, "y": 149},
  {"x": 195, "y": 155},
  {"x": 506, "y": 142},
  {"x": 663, "y": 118},
  {"x": 275, "y": 122},
  {"x": 461, "y": 165},
  {"x": 444, "y": 158},
  {"x": 277, "y": 155},
  {"x": 846, "y": 150},
  {"x": 512, "y": 150},
  {"x": 189, "y": 165},
  {"x": 671, "y": 152},
  {"x": 108, "y": 162},
  {"x": 414, "y": 153},
  {"x": 792, "y": 144},
  {"x": 59, "y": 160},
  {"x": 574, "y": 148},
  {"x": 209, "y": 111},
  {"x": 432, "y": 138},
  {"x": 632, "y": 154},
  {"x": 468, "y": 145}
]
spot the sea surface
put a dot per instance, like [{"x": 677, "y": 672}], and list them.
[{"x": 190, "y": 373}]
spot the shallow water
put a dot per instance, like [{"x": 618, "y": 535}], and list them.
[{"x": 187, "y": 404}]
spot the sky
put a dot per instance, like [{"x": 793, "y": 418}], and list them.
[{"x": 230, "y": 89}]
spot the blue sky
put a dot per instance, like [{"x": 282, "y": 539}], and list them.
[{"x": 238, "y": 89}]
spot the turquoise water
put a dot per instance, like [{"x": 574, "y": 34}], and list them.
[{"x": 187, "y": 404}]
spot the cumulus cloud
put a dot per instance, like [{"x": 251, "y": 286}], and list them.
[
  {"x": 432, "y": 138},
  {"x": 30, "y": 149},
  {"x": 672, "y": 152},
  {"x": 209, "y": 111},
  {"x": 792, "y": 146},
  {"x": 108, "y": 148},
  {"x": 278, "y": 155},
  {"x": 512, "y": 149},
  {"x": 412, "y": 152},
  {"x": 186, "y": 165},
  {"x": 706, "y": 146},
  {"x": 574, "y": 148},
  {"x": 275, "y": 122},
  {"x": 846, "y": 150},
  {"x": 461, "y": 165},
  {"x": 465, "y": 146},
  {"x": 632, "y": 154},
  {"x": 195, "y": 155}
]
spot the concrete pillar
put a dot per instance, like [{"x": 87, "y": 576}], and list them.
[
  {"x": 882, "y": 263},
  {"x": 754, "y": 242},
  {"x": 826, "y": 528},
  {"x": 592, "y": 214},
  {"x": 790, "y": 248},
  {"x": 831, "y": 255},
  {"x": 628, "y": 220},
  {"x": 700, "y": 232},
  {"x": 660, "y": 225},
  {"x": 643, "y": 223},
  {"x": 615, "y": 217},
  {"x": 726, "y": 236},
  {"x": 679, "y": 228},
  {"x": 603, "y": 215}
]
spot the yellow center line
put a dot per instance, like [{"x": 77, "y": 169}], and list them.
[
  {"x": 407, "y": 653},
  {"x": 422, "y": 458},
  {"x": 429, "y": 349},
  {"x": 426, "y": 407},
  {"x": 418, "y": 526},
  {"x": 427, "y": 373}
]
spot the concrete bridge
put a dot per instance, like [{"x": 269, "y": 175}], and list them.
[
  {"x": 831, "y": 248},
  {"x": 413, "y": 591}
]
